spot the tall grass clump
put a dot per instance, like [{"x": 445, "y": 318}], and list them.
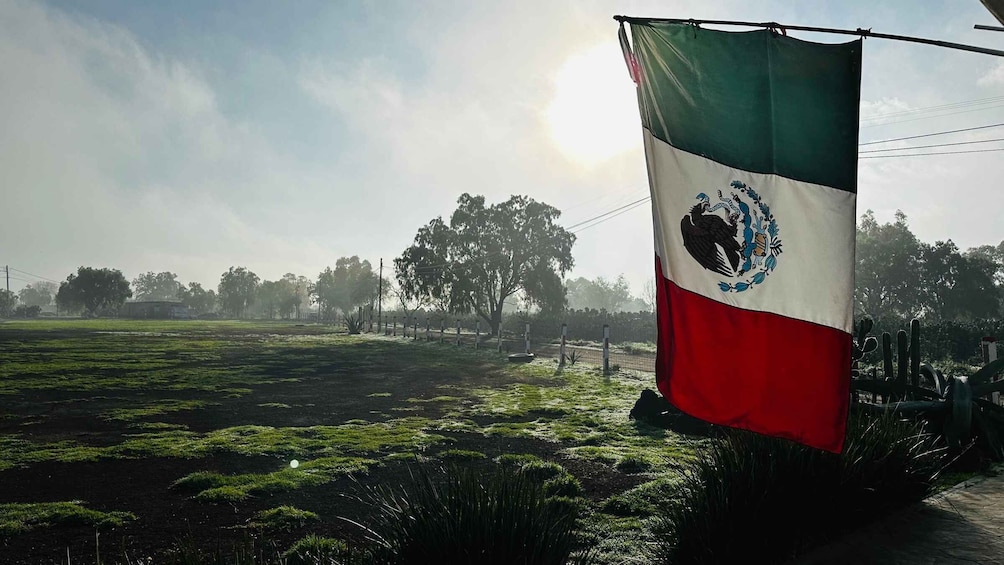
[
  {"x": 468, "y": 516},
  {"x": 752, "y": 498}
]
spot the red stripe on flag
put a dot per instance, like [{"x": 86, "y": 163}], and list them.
[{"x": 753, "y": 370}]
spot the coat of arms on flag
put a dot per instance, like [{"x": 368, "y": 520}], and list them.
[{"x": 748, "y": 136}]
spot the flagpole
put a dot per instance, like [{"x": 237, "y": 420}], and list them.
[{"x": 784, "y": 27}]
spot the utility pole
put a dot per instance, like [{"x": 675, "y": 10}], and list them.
[
  {"x": 380, "y": 297},
  {"x": 6, "y": 269}
]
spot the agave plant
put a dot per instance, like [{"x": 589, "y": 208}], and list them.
[
  {"x": 571, "y": 357},
  {"x": 354, "y": 324}
]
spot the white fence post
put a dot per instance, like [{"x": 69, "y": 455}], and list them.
[
  {"x": 606, "y": 348},
  {"x": 526, "y": 337}
]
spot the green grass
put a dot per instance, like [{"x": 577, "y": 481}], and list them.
[
  {"x": 283, "y": 518},
  {"x": 132, "y": 373},
  {"x": 19, "y": 518}
]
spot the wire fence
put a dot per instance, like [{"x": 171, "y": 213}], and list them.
[{"x": 602, "y": 351}]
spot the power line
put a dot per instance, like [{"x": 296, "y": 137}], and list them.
[
  {"x": 32, "y": 275},
  {"x": 949, "y": 106},
  {"x": 934, "y": 153},
  {"x": 930, "y": 134},
  {"x": 930, "y": 146},
  {"x": 914, "y": 119},
  {"x": 607, "y": 213},
  {"x": 636, "y": 205}
]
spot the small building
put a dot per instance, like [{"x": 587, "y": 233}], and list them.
[{"x": 155, "y": 309}]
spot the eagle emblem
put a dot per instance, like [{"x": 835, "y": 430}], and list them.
[{"x": 736, "y": 237}]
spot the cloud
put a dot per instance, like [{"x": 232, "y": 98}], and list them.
[{"x": 993, "y": 77}]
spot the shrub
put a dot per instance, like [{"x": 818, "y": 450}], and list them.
[
  {"x": 354, "y": 324},
  {"x": 543, "y": 470},
  {"x": 464, "y": 515},
  {"x": 754, "y": 497}
]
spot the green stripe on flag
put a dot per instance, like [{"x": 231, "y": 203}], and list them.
[{"x": 756, "y": 101}]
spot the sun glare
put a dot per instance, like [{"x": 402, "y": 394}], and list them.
[{"x": 594, "y": 113}]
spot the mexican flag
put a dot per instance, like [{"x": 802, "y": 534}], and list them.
[{"x": 751, "y": 144}]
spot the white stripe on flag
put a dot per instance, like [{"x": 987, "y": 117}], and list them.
[{"x": 814, "y": 276}]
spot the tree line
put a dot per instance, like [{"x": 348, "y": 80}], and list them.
[{"x": 513, "y": 255}]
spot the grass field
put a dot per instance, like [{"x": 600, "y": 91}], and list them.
[{"x": 155, "y": 433}]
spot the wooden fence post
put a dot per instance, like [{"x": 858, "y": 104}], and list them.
[
  {"x": 561, "y": 351},
  {"x": 606, "y": 348},
  {"x": 395, "y": 327},
  {"x": 458, "y": 332},
  {"x": 500, "y": 336},
  {"x": 442, "y": 329},
  {"x": 428, "y": 332},
  {"x": 477, "y": 334},
  {"x": 526, "y": 337}
]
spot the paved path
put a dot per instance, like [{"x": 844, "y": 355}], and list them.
[{"x": 962, "y": 525}]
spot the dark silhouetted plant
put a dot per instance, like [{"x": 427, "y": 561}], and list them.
[
  {"x": 752, "y": 498},
  {"x": 354, "y": 324},
  {"x": 462, "y": 515}
]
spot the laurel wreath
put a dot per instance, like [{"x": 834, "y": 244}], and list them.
[{"x": 773, "y": 244}]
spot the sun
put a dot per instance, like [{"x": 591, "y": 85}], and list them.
[{"x": 594, "y": 113}]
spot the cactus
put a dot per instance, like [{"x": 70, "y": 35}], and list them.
[{"x": 955, "y": 404}]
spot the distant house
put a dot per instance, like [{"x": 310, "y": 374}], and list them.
[{"x": 155, "y": 309}]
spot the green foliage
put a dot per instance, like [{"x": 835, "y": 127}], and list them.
[
  {"x": 283, "y": 518},
  {"x": 237, "y": 290},
  {"x": 598, "y": 294},
  {"x": 501, "y": 517},
  {"x": 18, "y": 518},
  {"x": 461, "y": 455},
  {"x": 354, "y": 324},
  {"x": 317, "y": 550},
  {"x": 39, "y": 293},
  {"x": 486, "y": 255},
  {"x": 776, "y": 498},
  {"x": 643, "y": 500},
  {"x": 197, "y": 299},
  {"x": 156, "y": 286},
  {"x": 8, "y": 303},
  {"x": 572, "y": 357},
  {"x": 95, "y": 291},
  {"x": 25, "y": 311},
  {"x": 633, "y": 463},
  {"x": 563, "y": 485},
  {"x": 350, "y": 284}
]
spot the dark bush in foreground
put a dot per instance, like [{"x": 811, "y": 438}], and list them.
[
  {"x": 751, "y": 498},
  {"x": 462, "y": 516}
]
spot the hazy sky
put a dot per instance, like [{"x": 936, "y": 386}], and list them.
[{"x": 192, "y": 136}]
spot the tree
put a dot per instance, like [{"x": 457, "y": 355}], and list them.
[
  {"x": 8, "y": 302},
  {"x": 25, "y": 311},
  {"x": 38, "y": 294},
  {"x": 487, "y": 254},
  {"x": 956, "y": 287},
  {"x": 197, "y": 299},
  {"x": 300, "y": 299},
  {"x": 887, "y": 269},
  {"x": 159, "y": 286},
  {"x": 599, "y": 294},
  {"x": 95, "y": 291},
  {"x": 237, "y": 290}
]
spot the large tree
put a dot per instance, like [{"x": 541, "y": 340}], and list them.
[
  {"x": 487, "y": 254},
  {"x": 156, "y": 286},
  {"x": 236, "y": 291},
  {"x": 8, "y": 303},
  {"x": 956, "y": 286},
  {"x": 352, "y": 283},
  {"x": 599, "y": 293},
  {"x": 197, "y": 299},
  {"x": 39, "y": 293},
  {"x": 887, "y": 269},
  {"x": 95, "y": 291}
]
